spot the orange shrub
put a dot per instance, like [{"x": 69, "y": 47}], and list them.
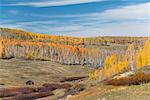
[{"x": 136, "y": 79}]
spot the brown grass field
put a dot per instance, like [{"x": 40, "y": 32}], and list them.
[{"x": 15, "y": 72}]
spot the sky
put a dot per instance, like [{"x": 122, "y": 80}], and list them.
[{"x": 79, "y": 18}]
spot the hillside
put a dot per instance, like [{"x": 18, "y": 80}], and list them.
[
  {"x": 65, "y": 50},
  {"x": 110, "y": 92},
  {"x": 127, "y": 56},
  {"x": 17, "y": 34},
  {"x": 83, "y": 68}
]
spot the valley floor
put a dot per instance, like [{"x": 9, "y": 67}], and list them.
[{"x": 15, "y": 72}]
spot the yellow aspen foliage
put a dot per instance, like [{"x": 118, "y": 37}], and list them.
[
  {"x": 113, "y": 65},
  {"x": 94, "y": 74},
  {"x": 130, "y": 47},
  {"x": 1, "y": 49},
  {"x": 143, "y": 56},
  {"x": 112, "y": 59},
  {"x": 138, "y": 61},
  {"x": 106, "y": 63}
]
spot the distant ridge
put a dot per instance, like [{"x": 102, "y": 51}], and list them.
[{"x": 17, "y": 34}]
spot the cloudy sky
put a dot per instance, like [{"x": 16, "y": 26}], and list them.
[{"x": 83, "y": 18}]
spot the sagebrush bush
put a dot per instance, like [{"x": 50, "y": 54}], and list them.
[{"x": 136, "y": 79}]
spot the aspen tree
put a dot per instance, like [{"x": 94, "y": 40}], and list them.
[{"x": 1, "y": 49}]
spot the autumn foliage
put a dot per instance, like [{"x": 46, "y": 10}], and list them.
[
  {"x": 64, "y": 54},
  {"x": 16, "y": 43},
  {"x": 136, "y": 79},
  {"x": 17, "y": 34},
  {"x": 132, "y": 60}
]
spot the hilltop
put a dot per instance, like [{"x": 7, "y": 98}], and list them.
[{"x": 7, "y": 33}]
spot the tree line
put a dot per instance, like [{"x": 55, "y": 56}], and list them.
[
  {"x": 17, "y": 34},
  {"x": 64, "y": 54},
  {"x": 132, "y": 60}
]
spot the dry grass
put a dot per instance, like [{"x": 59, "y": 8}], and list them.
[
  {"x": 15, "y": 72},
  {"x": 136, "y": 79},
  {"x": 110, "y": 92}
]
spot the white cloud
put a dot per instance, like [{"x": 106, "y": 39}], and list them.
[
  {"x": 54, "y": 3},
  {"x": 36, "y": 23},
  {"x": 113, "y": 29},
  {"x": 11, "y": 26},
  {"x": 131, "y": 20},
  {"x": 140, "y": 11},
  {"x": 136, "y": 12}
]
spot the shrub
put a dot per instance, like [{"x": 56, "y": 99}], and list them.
[
  {"x": 136, "y": 79},
  {"x": 94, "y": 74},
  {"x": 30, "y": 55}
]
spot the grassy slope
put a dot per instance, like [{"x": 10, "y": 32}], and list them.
[
  {"x": 107, "y": 92},
  {"x": 115, "y": 93},
  {"x": 16, "y": 72}
]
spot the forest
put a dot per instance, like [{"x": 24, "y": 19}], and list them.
[
  {"x": 16, "y": 43},
  {"x": 7, "y": 33}
]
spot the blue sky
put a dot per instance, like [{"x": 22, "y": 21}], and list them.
[{"x": 80, "y": 18}]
